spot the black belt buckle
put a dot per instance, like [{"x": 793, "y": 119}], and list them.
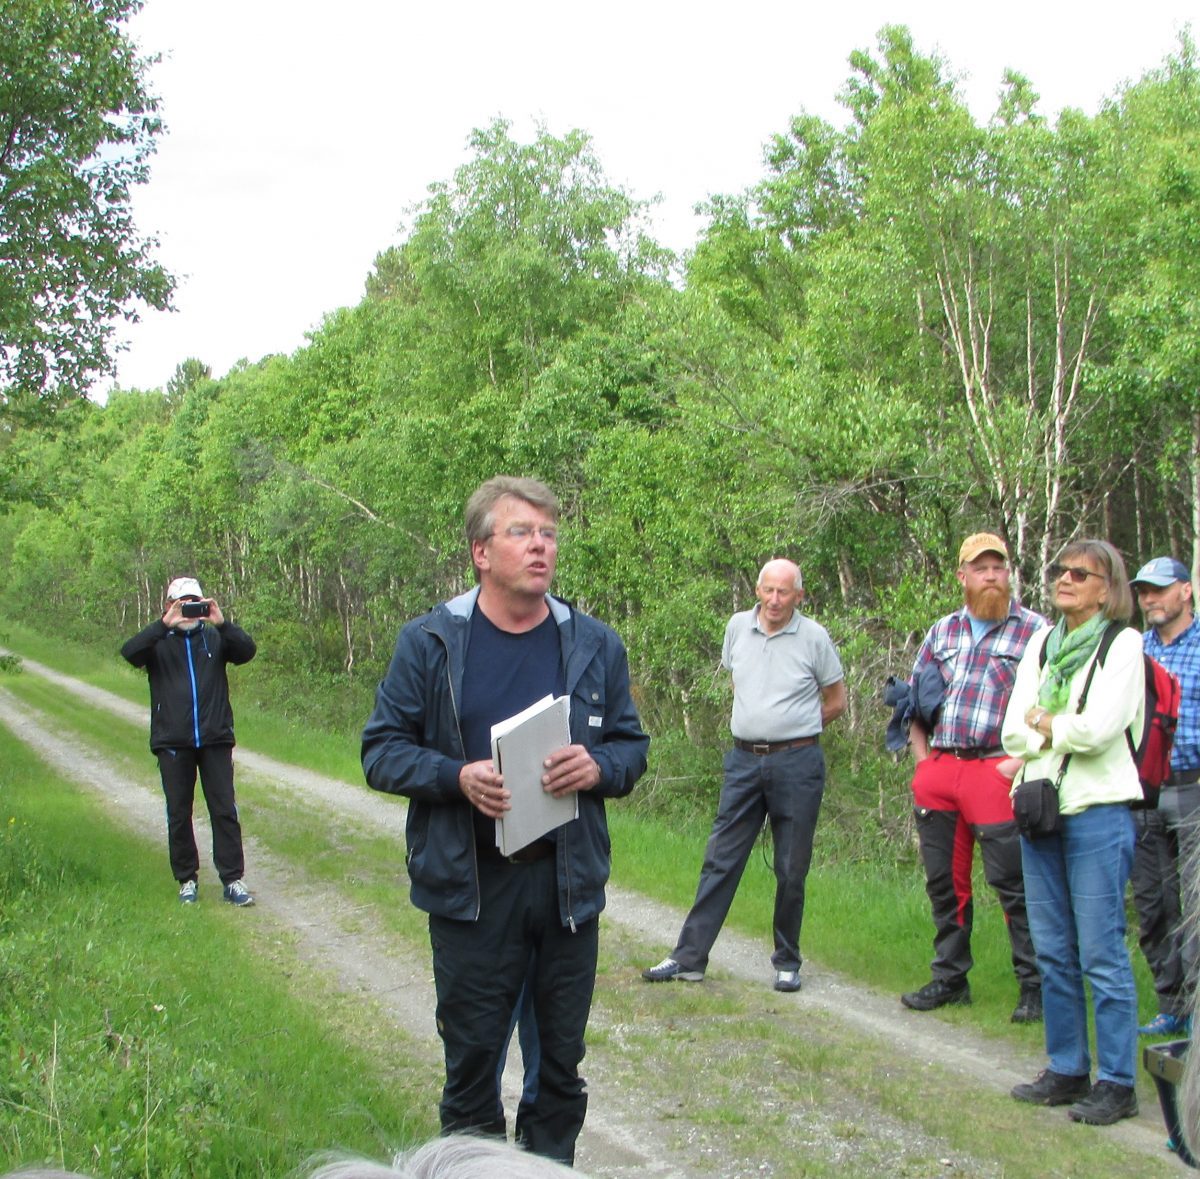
[
  {"x": 975, "y": 753},
  {"x": 540, "y": 849}
]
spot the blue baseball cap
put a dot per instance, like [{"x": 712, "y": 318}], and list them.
[{"x": 1162, "y": 571}]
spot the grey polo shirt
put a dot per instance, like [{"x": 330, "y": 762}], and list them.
[{"x": 777, "y": 679}]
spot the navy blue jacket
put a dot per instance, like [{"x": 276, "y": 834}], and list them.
[
  {"x": 189, "y": 689},
  {"x": 413, "y": 746}
]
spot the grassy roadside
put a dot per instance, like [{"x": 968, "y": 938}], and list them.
[
  {"x": 178, "y": 1054},
  {"x": 854, "y": 911}
]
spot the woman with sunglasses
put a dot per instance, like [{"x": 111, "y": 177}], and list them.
[{"x": 1075, "y": 878}]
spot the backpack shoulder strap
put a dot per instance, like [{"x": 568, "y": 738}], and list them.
[{"x": 1107, "y": 639}]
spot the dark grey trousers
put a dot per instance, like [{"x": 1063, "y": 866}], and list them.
[
  {"x": 479, "y": 970},
  {"x": 178, "y": 768},
  {"x": 1165, "y": 838},
  {"x": 786, "y": 788}
]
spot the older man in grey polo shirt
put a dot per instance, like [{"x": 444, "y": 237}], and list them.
[{"x": 787, "y": 686}]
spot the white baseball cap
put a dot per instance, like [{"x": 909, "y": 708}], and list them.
[{"x": 184, "y": 587}]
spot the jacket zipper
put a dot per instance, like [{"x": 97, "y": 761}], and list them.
[
  {"x": 195, "y": 695},
  {"x": 568, "y": 687},
  {"x": 462, "y": 748}
]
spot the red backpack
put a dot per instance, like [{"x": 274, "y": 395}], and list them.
[{"x": 1151, "y": 755}]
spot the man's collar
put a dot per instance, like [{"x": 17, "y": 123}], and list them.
[
  {"x": 793, "y": 623},
  {"x": 464, "y": 604},
  {"x": 1167, "y": 642}
]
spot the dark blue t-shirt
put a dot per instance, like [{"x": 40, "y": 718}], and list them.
[{"x": 504, "y": 673}]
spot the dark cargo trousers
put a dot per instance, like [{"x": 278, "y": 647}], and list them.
[
  {"x": 178, "y": 768},
  {"x": 479, "y": 968},
  {"x": 958, "y": 802},
  {"x": 1166, "y": 837},
  {"x": 787, "y": 788}
]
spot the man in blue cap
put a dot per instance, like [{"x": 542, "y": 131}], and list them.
[{"x": 1167, "y": 836}]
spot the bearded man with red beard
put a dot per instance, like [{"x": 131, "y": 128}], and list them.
[{"x": 960, "y": 794}]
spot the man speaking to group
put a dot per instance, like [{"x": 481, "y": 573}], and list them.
[{"x": 474, "y": 661}]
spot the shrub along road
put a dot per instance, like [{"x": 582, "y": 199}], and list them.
[{"x": 726, "y": 1078}]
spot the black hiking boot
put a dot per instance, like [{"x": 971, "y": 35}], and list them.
[
  {"x": 1108, "y": 1102},
  {"x": 1051, "y": 1088},
  {"x": 937, "y": 994},
  {"x": 1029, "y": 1006}
]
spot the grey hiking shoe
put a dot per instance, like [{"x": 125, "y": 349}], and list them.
[{"x": 669, "y": 969}]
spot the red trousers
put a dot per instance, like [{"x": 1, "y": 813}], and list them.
[{"x": 958, "y": 802}]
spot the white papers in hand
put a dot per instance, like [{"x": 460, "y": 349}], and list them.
[{"x": 520, "y": 746}]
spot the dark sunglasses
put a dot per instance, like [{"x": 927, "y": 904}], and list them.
[{"x": 1074, "y": 572}]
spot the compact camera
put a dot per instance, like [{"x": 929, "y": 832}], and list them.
[{"x": 194, "y": 609}]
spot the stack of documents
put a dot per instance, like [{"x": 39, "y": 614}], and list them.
[{"x": 520, "y": 746}]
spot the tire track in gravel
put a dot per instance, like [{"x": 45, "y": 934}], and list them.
[{"x": 621, "y": 1136}]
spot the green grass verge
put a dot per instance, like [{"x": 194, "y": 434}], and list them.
[{"x": 144, "y": 1040}]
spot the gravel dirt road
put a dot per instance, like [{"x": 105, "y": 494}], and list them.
[{"x": 633, "y": 1125}]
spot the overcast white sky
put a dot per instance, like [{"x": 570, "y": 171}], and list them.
[{"x": 299, "y": 132}]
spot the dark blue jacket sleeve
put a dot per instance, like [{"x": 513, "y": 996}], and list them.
[
  {"x": 621, "y": 751},
  {"x": 408, "y": 742}
]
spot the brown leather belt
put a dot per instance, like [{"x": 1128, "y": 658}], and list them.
[
  {"x": 540, "y": 849},
  {"x": 973, "y": 754},
  {"x": 764, "y": 747}
]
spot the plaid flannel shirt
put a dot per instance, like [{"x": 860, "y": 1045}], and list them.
[
  {"x": 979, "y": 676},
  {"x": 1182, "y": 657}
]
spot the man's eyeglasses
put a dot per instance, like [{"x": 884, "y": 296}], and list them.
[
  {"x": 1077, "y": 574},
  {"x": 522, "y": 532}
]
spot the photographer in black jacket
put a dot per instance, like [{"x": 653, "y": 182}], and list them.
[{"x": 191, "y": 728}]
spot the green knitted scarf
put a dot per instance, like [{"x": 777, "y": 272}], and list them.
[{"x": 1066, "y": 652}]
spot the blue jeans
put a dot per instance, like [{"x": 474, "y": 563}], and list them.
[{"x": 1075, "y": 896}]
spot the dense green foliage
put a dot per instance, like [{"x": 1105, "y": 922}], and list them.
[
  {"x": 77, "y": 127},
  {"x": 913, "y": 326}
]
